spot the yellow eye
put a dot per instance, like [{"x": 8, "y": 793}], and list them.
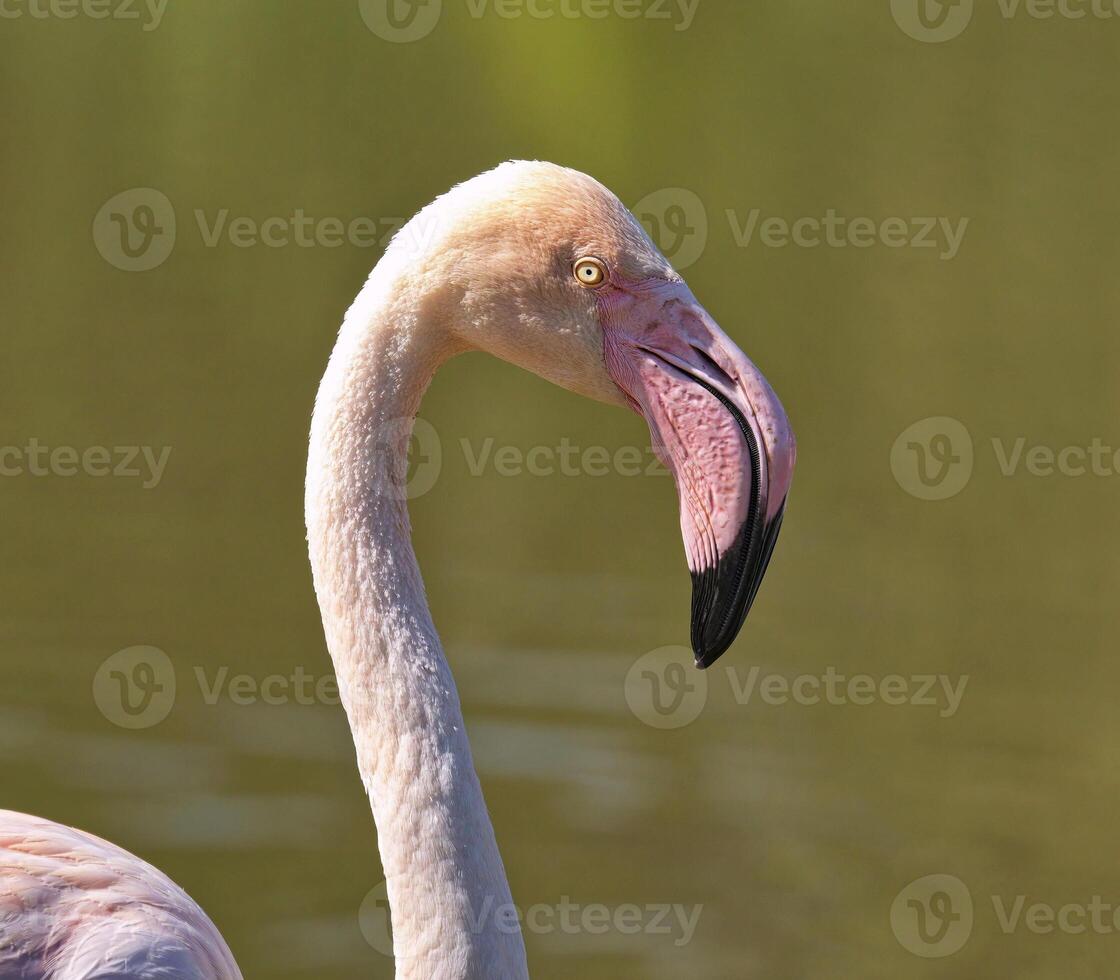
[{"x": 590, "y": 272}]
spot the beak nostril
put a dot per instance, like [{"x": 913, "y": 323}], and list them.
[{"x": 713, "y": 366}]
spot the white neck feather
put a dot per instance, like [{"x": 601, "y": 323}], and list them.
[{"x": 447, "y": 888}]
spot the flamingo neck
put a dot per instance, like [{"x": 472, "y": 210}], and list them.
[{"x": 447, "y": 889}]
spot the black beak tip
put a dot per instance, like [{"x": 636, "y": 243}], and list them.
[
  {"x": 723, "y": 595},
  {"x": 705, "y": 658},
  {"x": 708, "y": 649}
]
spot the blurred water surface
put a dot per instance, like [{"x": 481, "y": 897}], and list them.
[{"x": 792, "y": 826}]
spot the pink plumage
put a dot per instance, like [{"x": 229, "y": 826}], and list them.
[{"x": 75, "y": 907}]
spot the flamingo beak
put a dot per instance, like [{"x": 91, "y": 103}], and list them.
[{"x": 718, "y": 426}]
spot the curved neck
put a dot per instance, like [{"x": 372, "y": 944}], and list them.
[{"x": 447, "y": 889}]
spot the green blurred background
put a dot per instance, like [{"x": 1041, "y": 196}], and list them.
[{"x": 795, "y": 826}]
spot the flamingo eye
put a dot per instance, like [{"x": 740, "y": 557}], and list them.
[{"x": 590, "y": 272}]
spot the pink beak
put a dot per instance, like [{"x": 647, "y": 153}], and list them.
[{"x": 719, "y": 427}]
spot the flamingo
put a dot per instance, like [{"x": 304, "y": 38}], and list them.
[{"x": 544, "y": 267}]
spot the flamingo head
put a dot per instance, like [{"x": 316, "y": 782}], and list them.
[{"x": 546, "y": 268}]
